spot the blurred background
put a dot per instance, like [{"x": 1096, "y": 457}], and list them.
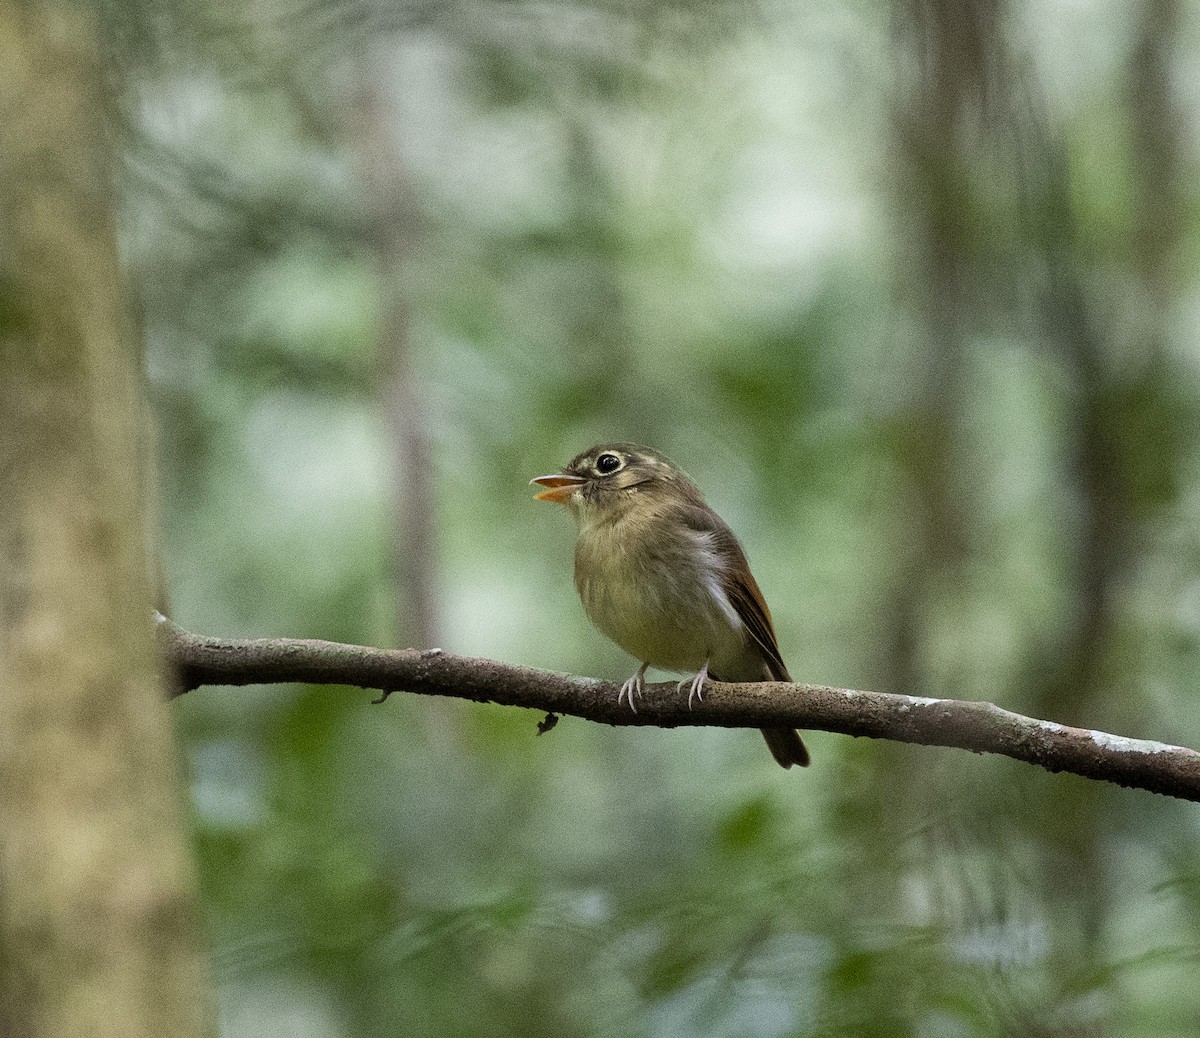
[{"x": 907, "y": 288}]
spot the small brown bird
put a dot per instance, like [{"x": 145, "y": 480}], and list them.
[{"x": 661, "y": 574}]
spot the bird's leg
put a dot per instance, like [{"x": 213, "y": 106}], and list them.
[
  {"x": 632, "y": 686},
  {"x": 697, "y": 689}
]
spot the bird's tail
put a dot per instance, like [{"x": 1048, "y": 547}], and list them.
[
  {"x": 786, "y": 747},
  {"x": 785, "y": 744}
]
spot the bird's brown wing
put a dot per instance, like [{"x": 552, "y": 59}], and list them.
[
  {"x": 739, "y": 585},
  {"x": 744, "y": 594},
  {"x": 747, "y": 599}
]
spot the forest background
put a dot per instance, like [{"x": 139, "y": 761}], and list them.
[{"x": 907, "y": 288}]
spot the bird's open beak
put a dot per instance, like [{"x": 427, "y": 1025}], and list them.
[{"x": 559, "y": 487}]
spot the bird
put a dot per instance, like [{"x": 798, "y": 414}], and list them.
[{"x": 663, "y": 576}]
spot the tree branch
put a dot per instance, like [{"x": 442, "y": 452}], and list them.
[{"x": 976, "y": 726}]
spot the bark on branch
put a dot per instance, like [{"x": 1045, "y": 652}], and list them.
[{"x": 976, "y": 726}]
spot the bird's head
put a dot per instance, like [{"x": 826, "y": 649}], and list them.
[{"x": 608, "y": 479}]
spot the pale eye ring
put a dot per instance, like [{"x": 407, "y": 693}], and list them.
[{"x": 607, "y": 463}]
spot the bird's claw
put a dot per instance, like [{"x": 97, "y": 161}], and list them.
[
  {"x": 697, "y": 689},
  {"x": 628, "y": 690},
  {"x": 632, "y": 687}
]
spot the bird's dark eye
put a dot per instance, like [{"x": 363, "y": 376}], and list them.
[{"x": 607, "y": 463}]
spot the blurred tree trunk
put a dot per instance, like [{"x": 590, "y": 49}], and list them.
[
  {"x": 1121, "y": 445},
  {"x": 1118, "y": 381},
  {"x": 98, "y": 920},
  {"x": 1157, "y": 126},
  {"x": 392, "y": 222},
  {"x": 958, "y": 118},
  {"x": 936, "y": 111},
  {"x": 937, "y": 117}
]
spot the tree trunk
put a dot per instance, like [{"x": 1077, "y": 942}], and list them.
[{"x": 98, "y": 920}]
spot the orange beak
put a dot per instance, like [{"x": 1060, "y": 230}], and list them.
[{"x": 559, "y": 487}]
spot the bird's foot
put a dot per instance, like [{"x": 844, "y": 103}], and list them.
[
  {"x": 697, "y": 689},
  {"x": 632, "y": 687}
]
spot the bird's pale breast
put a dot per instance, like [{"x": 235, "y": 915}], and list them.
[{"x": 659, "y": 597}]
